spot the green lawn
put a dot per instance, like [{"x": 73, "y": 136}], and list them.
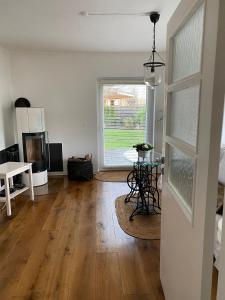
[{"x": 122, "y": 138}]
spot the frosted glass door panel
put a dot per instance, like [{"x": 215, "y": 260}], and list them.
[
  {"x": 184, "y": 115},
  {"x": 187, "y": 47},
  {"x": 181, "y": 173}
]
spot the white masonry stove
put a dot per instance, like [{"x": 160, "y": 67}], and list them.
[{"x": 32, "y": 142}]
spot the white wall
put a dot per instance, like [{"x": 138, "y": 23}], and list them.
[
  {"x": 6, "y": 108},
  {"x": 65, "y": 84}
]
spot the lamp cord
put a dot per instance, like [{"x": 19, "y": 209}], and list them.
[{"x": 153, "y": 46}]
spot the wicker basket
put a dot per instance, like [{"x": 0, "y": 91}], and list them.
[{"x": 79, "y": 169}]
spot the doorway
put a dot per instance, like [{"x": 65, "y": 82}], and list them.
[{"x": 126, "y": 118}]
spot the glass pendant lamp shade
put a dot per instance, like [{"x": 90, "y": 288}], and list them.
[
  {"x": 153, "y": 73},
  {"x": 151, "y": 78},
  {"x": 154, "y": 67}
]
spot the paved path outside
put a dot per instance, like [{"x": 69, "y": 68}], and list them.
[{"x": 120, "y": 157}]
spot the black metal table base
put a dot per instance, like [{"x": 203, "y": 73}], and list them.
[{"x": 144, "y": 191}]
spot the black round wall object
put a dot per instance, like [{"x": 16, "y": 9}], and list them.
[{"x": 22, "y": 102}]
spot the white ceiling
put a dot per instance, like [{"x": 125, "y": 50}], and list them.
[{"x": 57, "y": 25}]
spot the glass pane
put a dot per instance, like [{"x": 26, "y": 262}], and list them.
[
  {"x": 181, "y": 172},
  {"x": 184, "y": 115},
  {"x": 34, "y": 149},
  {"x": 124, "y": 122},
  {"x": 187, "y": 47}
]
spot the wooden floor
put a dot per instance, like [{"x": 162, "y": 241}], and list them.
[
  {"x": 68, "y": 245},
  {"x": 214, "y": 283}
]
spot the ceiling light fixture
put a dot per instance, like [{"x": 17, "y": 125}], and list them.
[
  {"x": 154, "y": 67},
  {"x": 89, "y": 14}
]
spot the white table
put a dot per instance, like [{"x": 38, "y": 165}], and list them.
[{"x": 7, "y": 171}]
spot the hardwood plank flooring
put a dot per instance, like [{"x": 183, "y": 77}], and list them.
[
  {"x": 214, "y": 283},
  {"x": 69, "y": 245}
]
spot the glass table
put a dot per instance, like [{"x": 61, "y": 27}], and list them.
[{"x": 143, "y": 183}]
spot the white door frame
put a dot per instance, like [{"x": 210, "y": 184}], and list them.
[
  {"x": 195, "y": 251},
  {"x": 150, "y": 103},
  {"x": 221, "y": 275}
]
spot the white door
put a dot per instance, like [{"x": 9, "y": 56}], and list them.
[{"x": 195, "y": 77}]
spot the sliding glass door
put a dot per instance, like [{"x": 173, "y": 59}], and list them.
[{"x": 124, "y": 123}]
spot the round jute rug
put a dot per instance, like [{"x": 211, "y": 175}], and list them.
[
  {"x": 112, "y": 176},
  {"x": 145, "y": 227}
]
